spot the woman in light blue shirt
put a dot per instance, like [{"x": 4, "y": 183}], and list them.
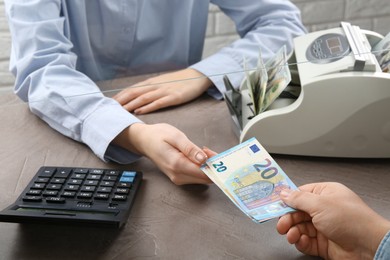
[{"x": 61, "y": 47}]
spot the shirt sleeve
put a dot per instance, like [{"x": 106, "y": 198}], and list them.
[
  {"x": 262, "y": 24},
  {"x": 383, "y": 252},
  {"x": 46, "y": 77}
]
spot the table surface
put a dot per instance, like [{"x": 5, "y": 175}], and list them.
[{"x": 167, "y": 221}]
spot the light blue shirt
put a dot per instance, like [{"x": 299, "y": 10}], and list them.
[
  {"x": 383, "y": 252},
  {"x": 61, "y": 47}
]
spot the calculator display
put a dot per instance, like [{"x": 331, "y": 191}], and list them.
[{"x": 328, "y": 48}]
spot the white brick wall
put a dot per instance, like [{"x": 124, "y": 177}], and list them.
[
  {"x": 316, "y": 15},
  {"x": 321, "y": 14},
  {"x": 6, "y": 78}
]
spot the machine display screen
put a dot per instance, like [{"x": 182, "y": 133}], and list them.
[
  {"x": 334, "y": 45},
  {"x": 328, "y": 48}
]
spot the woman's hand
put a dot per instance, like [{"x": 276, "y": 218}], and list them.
[
  {"x": 169, "y": 149},
  {"x": 166, "y": 90}
]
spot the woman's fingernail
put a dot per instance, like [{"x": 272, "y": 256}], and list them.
[{"x": 200, "y": 157}]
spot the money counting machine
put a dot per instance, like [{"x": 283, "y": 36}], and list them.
[{"x": 343, "y": 107}]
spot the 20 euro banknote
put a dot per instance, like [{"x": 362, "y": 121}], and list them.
[{"x": 251, "y": 178}]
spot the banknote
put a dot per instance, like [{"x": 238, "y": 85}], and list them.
[
  {"x": 279, "y": 77},
  {"x": 268, "y": 80},
  {"x": 251, "y": 179},
  {"x": 250, "y": 82},
  {"x": 256, "y": 82},
  {"x": 263, "y": 82}
]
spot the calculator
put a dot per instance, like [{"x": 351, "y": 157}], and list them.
[{"x": 70, "y": 195}]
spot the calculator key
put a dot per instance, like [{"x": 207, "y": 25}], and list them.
[
  {"x": 42, "y": 180},
  {"x": 101, "y": 196},
  {"x": 114, "y": 173},
  {"x": 72, "y": 187},
  {"x": 34, "y": 192},
  {"x": 47, "y": 172},
  {"x": 94, "y": 177},
  {"x": 62, "y": 173},
  {"x": 78, "y": 176},
  {"x": 110, "y": 178},
  {"x": 91, "y": 183},
  {"x": 126, "y": 179},
  {"x": 32, "y": 198},
  {"x": 50, "y": 193},
  {"x": 74, "y": 182},
  {"x": 96, "y": 171},
  {"x": 107, "y": 183},
  {"x": 68, "y": 194},
  {"x": 124, "y": 185},
  {"x": 129, "y": 174},
  {"x": 118, "y": 197},
  {"x": 57, "y": 180},
  {"x": 55, "y": 200},
  {"x": 122, "y": 191},
  {"x": 39, "y": 186},
  {"x": 104, "y": 189},
  {"x": 80, "y": 170},
  {"x": 88, "y": 188},
  {"x": 84, "y": 195},
  {"x": 54, "y": 186}
]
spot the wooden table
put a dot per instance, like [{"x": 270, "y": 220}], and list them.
[{"x": 167, "y": 221}]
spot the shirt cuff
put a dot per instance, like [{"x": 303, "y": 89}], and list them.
[
  {"x": 218, "y": 65},
  {"x": 102, "y": 126},
  {"x": 383, "y": 251}
]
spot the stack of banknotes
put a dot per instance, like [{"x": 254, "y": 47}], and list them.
[
  {"x": 251, "y": 179},
  {"x": 382, "y": 53},
  {"x": 268, "y": 80}
]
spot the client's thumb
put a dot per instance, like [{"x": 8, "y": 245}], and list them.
[{"x": 301, "y": 200}]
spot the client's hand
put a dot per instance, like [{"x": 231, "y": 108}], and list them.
[
  {"x": 163, "y": 91},
  {"x": 333, "y": 222}
]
